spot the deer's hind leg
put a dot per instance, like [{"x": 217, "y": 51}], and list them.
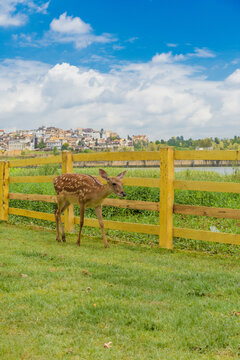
[
  {"x": 98, "y": 211},
  {"x": 64, "y": 207},
  {"x": 82, "y": 211},
  {"x": 57, "y": 225}
]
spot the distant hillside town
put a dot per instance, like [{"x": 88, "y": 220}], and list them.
[
  {"x": 55, "y": 139},
  {"x": 80, "y": 139}
]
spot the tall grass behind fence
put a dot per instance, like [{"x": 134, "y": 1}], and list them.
[{"x": 165, "y": 206}]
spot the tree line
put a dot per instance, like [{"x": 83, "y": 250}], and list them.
[{"x": 180, "y": 143}]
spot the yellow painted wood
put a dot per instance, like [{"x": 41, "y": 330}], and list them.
[
  {"x": 207, "y": 236},
  {"x": 67, "y": 164},
  {"x": 207, "y": 186},
  {"x": 114, "y": 225},
  {"x": 145, "y": 182},
  {"x": 207, "y": 155},
  {"x": 133, "y": 181},
  {"x": 4, "y": 190},
  {"x": 36, "y": 161},
  {"x": 67, "y": 168},
  {"x": 123, "y": 226},
  {"x": 166, "y": 198},
  {"x": 31, "y": 179},
  {"x": 129, "y": 204},
  {"x": 224, "y": 213},
  {"x": 131, "y": 156},
  {"x": 132, "y": 204},
  {"x": 32, "y": 214},
  {"x": 33, "y": 197},
  {"x": 118, "y": 156},
  {"x": 2, "y": 166}
]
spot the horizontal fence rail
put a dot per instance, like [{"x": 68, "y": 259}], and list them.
[
  {"x": 145, "y": 182},
  {"x": 232, "y": 155},
  {"x": 119, "y": 156},
  {"x": 32, "y": 179},
  {"x": 207, "y": 186},
  {"x": 223, "y": 213},
  {"x": 128, "y": 204},
  {"x": 225, "y": 238},
  {"x": 165, "y": 183},
  {"x": 35, "y": 161}
]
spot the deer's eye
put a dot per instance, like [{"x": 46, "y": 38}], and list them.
[{"x": 114, "y": 184}]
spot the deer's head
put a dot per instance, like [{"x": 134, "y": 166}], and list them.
[{"x": 115, "y": 183}]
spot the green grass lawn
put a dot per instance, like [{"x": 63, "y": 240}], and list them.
[{"x": 58, "y": 301}]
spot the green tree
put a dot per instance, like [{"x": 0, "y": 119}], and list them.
[
  {"x": 152, "y": 146},
  {"x": 41, "y": 145},
  {"x": 205, "y": 143},
  {"x": 55, "y": 151},
  {"x": 65, "y": 146}
]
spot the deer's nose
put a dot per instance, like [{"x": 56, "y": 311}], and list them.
[{"x": 123, "y": 194}]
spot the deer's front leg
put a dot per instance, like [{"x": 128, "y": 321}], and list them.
[
  {"x": 82, "y": 210},
  {"x": 61, "y": 205},
  {"x": 100, "y": 220},
  {"x": 64, "y": 206},
  {"x": 57, "y": 224}
]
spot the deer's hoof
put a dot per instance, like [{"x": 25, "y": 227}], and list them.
[
  {"x": 106, "y": 245},
  {"x": 64, "y": 238},
  {"x": 78, "y": 243},
  {"x": 58, "y": 239}
]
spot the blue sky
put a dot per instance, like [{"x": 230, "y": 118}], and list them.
[{"x": 164, "y": 68}]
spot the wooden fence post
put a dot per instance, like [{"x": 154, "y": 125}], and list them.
[
  {"x": 67, "y": 167},
  {"x": 4, "y": 190},
  {"x": 166, "y": 197},
  {"x": 1, "y": 188}
]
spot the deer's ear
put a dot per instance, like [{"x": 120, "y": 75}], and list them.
[
  {"x": 121, "y": 175},
  {"x": 103, "y": 174}
]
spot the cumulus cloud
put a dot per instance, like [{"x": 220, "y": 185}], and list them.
[
  {"x": 69, "y": 25},
  {"x": 65, "y": 29},
  {"x": 168, "y": 57},
  {"x": 68, "y": 29},
  {"x": 161, "y": 98},
  {"x": 15, "y": 12},
  {"x": 198, "y": 53},
  {"x": 234, "y": 78}
]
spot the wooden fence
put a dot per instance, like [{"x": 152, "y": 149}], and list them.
[{"x": 166, "y": 183}]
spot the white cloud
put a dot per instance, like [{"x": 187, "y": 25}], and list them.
[
  {"x": 68, "y": 29},
  {"x": 160, "y": 98},
  {"x": 15, "y": 12},
  {"x": 167, "y": 57},
  {"x": 234, "y": 78},
  {"x": 38, "y": 7},
  {"x": 162, "y": 58},
  {"x": 69, "y": 25},
  {"x": 132, "y": 39},
  {"x": 172, "y": 45},
  {"x": 202, "y": 53}
]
